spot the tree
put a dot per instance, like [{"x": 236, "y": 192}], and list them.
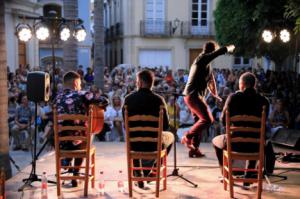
[
  {"x": 292, "y": 10},
  {"x": 242, "y": 22},
  {"x": 70, "y": 46},
  {"x": 4, "y": 144},
  {"x": 98, "y": 43}
]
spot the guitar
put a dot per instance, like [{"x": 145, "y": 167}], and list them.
[{"x": 97, "y": 119}]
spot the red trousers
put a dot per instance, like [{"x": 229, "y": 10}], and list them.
[{"x": 202, "y": 115}]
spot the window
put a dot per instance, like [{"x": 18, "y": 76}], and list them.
[
  {"x": 155, "y": 16},
  {"x": 241, "y": 62},
  {"x": 237, "y": 61},
  {"x": 199, "y": 16}
]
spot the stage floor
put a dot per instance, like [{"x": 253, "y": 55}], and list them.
[{"x": 111, "y": 157}]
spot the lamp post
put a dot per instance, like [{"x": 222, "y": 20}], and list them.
[
  {"x": 54, "y": 27},
  {"x": 175, "y": 25},
  {"x": 43, "y": 28}
]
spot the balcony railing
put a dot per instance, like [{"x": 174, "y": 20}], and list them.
[
  {"x": 114, "y": 32},
  {"x": 119, "y": 29},
  {"x": 107, "y": 35},
  {"x": 155, "y": 28},
  {"x": 189, "y": 30}
]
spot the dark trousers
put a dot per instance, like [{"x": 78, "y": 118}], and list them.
[
  {"x": 77, "y": 161},
  {"x": 199, "y": 108},
  {"x": 168, "y": 140},
  {"x": 219, "y": 143}
]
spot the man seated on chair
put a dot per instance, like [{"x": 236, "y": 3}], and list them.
[
  {"x": 74, "y": 101},
  {"x": 145, "y": 102},
  {"x": 246, "y": 101}
]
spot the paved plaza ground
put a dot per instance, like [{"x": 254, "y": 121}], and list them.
[{"x": 111, "y": 157}]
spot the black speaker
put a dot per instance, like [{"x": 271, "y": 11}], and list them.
[
  {"x": 287, "y": 137},
  {"x": 38, "y": 86}
]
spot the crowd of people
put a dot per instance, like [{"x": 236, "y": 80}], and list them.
[{"x": 280, "y": 88}]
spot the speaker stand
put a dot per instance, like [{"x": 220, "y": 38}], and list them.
[{"x": 33, "y": 177}]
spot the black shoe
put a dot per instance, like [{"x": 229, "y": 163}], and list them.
[
  {"x": 74, "y": 183},
  {"x": 140, "y": 184},
  {"x": 25, "y": 149},
  {"x": 16, "y": 148}
]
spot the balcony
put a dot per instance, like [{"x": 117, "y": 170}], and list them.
[
  {"x": 154, "y": 28},
  {"x": 118, "y": 29},
  {"x": 189, "y": 30},
  {"x": 107, "y": 37},
  {"x": 114, "y": 32}
]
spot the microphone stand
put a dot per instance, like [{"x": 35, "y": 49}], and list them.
[{"x": 175, "y": 171}]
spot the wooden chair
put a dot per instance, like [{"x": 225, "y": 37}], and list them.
[
  {"x": 229, "y": 154},
  {"x": 87, "y": 153},
  {"x": 154, "y": 135}
]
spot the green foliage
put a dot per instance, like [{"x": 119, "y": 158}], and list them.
[
  {"x": 292, "y": 11},
  {"x": 241, "y": 22}
]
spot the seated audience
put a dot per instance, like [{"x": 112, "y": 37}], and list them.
[
  {"x": 113, "y": 115},
  {"x": 23, "y": 127},
  {"x": 279, "y": 117}
]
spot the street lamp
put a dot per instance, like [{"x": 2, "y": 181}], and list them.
[
  {"x": 285, "y": 35},
  {"x": 54, "y": 27},
  {"x": 24, "y": 32},
  {"x": 268, "y": 35}
]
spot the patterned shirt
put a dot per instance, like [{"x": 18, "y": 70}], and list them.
[{"x": 76, "y": 102}]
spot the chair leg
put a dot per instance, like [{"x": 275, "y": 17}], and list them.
[
  {"x": 225, "y": 174},
  {"x": 130, "y": 177},
  {"x": 165, "y": 172},
  {"x": 93, "y": 170},
  {"x": 86, "y": 180},
  {"x": 230, "y": 180},
  {"x": 58, "y": 168},
  {"x": 157, "y": 178},
  {"x": 260, "y": 178},
  {"x": 157, "y": 186}
]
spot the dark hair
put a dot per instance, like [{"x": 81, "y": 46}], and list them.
[
  {"x": 210, "y": 46},
  {"x": 20, "y": 97},
  {"x": 70, "y": 77},
  {"x": 248, "y": 79},
  {"x": 147, "y": 77}
]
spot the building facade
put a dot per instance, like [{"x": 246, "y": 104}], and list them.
[
  {"x": 153, "y": 33},
  {"x": 19, "y": 52},
  {"x": 38, "y": 53}
]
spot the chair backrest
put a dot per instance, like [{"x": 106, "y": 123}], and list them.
[
  {"x": 65, "y": 125},
  {"x": 245, "y": 130},
  {"x": 144, "y": 130}
]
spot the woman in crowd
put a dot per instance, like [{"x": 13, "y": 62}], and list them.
[
  {"x": 279, "y": 117},
  {"x": 113, "y": 115}
]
